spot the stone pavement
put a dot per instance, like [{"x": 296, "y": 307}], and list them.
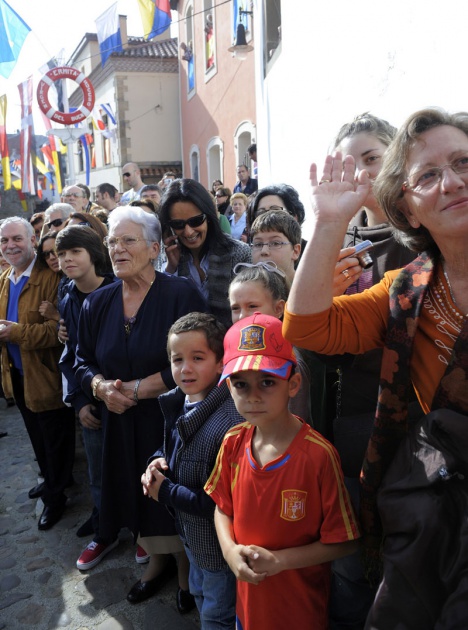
[{"x": 40, "y": 586}]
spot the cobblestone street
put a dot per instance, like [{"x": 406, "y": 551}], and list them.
[{"x": 40, "y": 586}]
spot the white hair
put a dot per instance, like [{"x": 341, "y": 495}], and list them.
[
  {"x": 21, "y": 221},
  {"x": 65, "y": 208},
  {"x": 149, "y": 222}
]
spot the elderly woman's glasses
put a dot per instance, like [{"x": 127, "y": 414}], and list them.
[
  {"x": 423, "y": 180},
  {"x": 193, "y": 222},
  {"x": 127, "y": 241}
]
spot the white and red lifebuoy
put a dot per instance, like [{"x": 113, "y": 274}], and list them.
[{"x": 65, "y": 118}]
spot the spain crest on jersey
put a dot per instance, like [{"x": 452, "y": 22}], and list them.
[
  {"x": 293, "y": 504},
  {"x": 252, "y": 338}
]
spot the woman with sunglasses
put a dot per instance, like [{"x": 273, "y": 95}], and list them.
[
  {"x": 55, "y": 217},
  {"x": 196, "y": 247},
  {"x": 47, "y": 257},
  {"x": 419, "y": 316}
]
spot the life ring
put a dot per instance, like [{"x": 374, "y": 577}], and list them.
[{"x": 65, "y": 118}]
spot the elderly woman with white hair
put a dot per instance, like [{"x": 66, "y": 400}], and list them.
[
  {"x": 122, "y": 364},
  {"x": 56, "y": 216}
]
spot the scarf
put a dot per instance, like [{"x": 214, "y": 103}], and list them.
[{"x": 390, "y": 425}]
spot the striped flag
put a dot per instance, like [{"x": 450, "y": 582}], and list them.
[
  {"x": 107, "y": 108},
  {"x": 53, "y": 153},
  {"x": 26, "y": 137},
  {"x": 4, "y": 152},
  {"x": 156, "y": 17},
  {"x": 108, "y": 33}
]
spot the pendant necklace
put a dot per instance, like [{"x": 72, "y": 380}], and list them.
[{"x": 128, "y": 323}]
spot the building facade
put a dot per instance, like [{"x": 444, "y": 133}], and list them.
[
  {"x": 217, "y": 92},
  {"x": 141, "y": 85}
]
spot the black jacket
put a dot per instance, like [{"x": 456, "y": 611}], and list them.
[{"x": 423, "y": 502}]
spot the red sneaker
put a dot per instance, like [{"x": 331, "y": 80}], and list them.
[
  {"x": 141, "y": 556},
  {"x": 93, "y": 554}
]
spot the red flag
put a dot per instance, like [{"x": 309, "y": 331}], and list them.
[{"x": 26, "y": 137}]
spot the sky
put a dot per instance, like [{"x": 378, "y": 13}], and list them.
[{"x": 55, "y": 25}]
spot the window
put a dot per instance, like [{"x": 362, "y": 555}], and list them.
[
  {"x": 195, "y": 162},
  {"x": 210, "y": 37},
  {"x": 244, "y": 136},
  {"x": 271, "y": 31},
  {"x": 191, "y": 51},
  {"x": 214, "y": 160},
  {"x": 106, "y": 142},
  {"x": 244, "y": 5}
]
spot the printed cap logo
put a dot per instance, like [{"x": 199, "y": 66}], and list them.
[{"x": 252, "y": 338}]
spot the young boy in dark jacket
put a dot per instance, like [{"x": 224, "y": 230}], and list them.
[{"x": 197, "y": 415}]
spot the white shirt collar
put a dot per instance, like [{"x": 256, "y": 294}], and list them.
[{"x": 26, "y": 273}]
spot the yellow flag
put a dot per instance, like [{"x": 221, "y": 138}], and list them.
[{"x": 4, "y": 144}]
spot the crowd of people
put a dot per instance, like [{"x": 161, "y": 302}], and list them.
[{"x": 278, "y": 421}]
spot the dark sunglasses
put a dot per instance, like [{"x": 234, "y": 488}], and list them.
[
  {"x": 126, "y": 174},
  {"x": 55, "y": 223},
  {"x": 50, "y": 253},
  {"x": 193, "y": 222}
]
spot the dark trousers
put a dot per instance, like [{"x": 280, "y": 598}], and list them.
[{"x": 52, "y": 435}]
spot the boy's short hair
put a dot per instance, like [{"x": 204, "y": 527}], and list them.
[
  {"x": 214, "y": 331},
  {"x": 277, "y": 221},
  {"x": 257, "y": 343}
]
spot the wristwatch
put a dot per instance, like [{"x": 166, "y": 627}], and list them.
[{"x": 95, "y": 386}]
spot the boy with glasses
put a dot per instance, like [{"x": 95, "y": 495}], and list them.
[{"x": 276, "y": 236}]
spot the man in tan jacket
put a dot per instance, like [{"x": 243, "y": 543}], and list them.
[{"x": 29, "y": 355}]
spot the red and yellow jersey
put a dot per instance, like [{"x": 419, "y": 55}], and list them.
[{"x": 294, "y": 500}]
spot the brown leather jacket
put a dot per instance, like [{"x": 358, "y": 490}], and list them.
[{"x": 37, "y": 338}]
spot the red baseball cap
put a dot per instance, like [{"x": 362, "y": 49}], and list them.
[{"x": 257, "y": 343}]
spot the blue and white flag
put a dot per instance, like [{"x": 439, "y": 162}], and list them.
[
  {"x": 108, "y": 33},
  {"x": 13, "y": 32}
]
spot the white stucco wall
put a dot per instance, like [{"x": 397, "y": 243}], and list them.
[{"x": 342, "y": 58}]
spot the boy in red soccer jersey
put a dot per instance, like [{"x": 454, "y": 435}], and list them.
[{"x": 283, "y": 512}]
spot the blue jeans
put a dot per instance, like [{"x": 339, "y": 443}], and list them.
[
  {"x": 92, "y": 441},
  {"x": 215, "y": 596}
]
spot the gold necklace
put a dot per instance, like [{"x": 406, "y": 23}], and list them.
[
  {"x": 454, "y": 310},
  {"x": 128, "y": 323}
]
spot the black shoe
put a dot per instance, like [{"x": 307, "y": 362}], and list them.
[
  {"x": 144, "y": 590},
  {"x": 185, "y": 601},
  {"x": 37, "y": 491},
  {"x": 50, "y": 516},
  {"x": 86, "y": 529},
  {"x": 3, "y": 435}
]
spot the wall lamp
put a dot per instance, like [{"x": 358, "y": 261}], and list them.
[{"x": 241, "y": 48}]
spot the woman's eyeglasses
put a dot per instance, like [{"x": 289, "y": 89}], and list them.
[
  {"x": 125, "y": 241},
  {"x": 49, "y": 253},
  {"x": 193, "y": 222},
  {"x": 55, "y": 223}
]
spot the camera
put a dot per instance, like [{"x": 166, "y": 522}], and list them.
[{"x": 363, "y": 255}]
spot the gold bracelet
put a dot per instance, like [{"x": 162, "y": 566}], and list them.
[{"x": 95, "y": 386}]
